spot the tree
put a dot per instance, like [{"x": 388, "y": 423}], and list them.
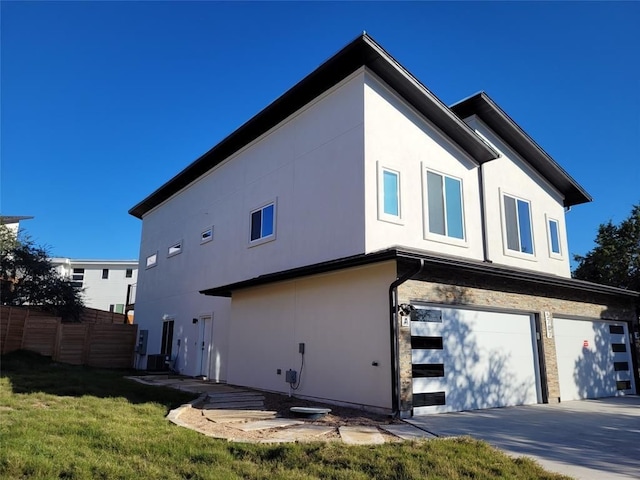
[
  {"x": 29, "y": 278},
  {"x": 615, "y": 260}
]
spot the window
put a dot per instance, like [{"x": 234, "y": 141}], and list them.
[
  {"x": 389, "y": 194},
  {"x": 554, "y": 236},
  {"x": 105, "y": 273},
  {"x": 263, "y": 223},
  {"x": 128, "y": 273},
  {"x": 444, "y": 206},
  {"x": 152, "y": 260},
  {"x": 517, "y": 216},
  {"x": 174, "y": 249},
  {"x": 78, "y": 274},
  {"x": 206, "y": 235}
]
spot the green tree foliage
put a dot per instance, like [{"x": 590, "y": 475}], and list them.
[
  {"x": 29, "y": 278},
  {"x": 615, "y": 260}
]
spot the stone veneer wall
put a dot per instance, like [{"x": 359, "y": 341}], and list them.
[{"x": 536, "y": 300}]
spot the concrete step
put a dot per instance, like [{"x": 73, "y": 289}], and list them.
[
  {"x": 248, "y": 405},
  {"x": 361, "y": 435}
]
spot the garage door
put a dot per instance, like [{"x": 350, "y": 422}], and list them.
[
  {"x": 594, "y": 358},
  {"x": 468, "y": 360}
]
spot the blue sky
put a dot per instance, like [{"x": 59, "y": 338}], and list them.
[{"x": 102, "y": 102}]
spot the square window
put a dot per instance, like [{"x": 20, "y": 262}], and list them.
[
  {"x": 174, "y": 249},
  {"x": 129, "y": 273},
  {"x": 517, "y": 215},
  {"x": 445, "y": 214},
  {"x": 105, "y": 273},
  {"x": 206, "y": 235},
  {"x": 152, "y": 260},
  {"x": 263, "y": 225}
]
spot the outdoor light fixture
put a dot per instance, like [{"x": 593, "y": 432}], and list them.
[{"x": 194, "y": 320}]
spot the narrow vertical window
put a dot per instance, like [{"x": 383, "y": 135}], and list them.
[
  {"x": 517, "y": 216},
  {"x": 129, "y": 273},
  {"x": 263, "y": 223},
  {"x": 444, "y": 205},
  {"x": 105, "y": 273},
  {"x": 391, "y": 186},
  {"x": 554, "y": 236}
]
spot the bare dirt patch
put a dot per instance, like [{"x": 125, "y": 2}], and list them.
[{"x": 339, "y": 416}]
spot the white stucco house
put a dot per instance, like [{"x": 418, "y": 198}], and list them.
[
  {"x": 106, "y": 284},
  {"x": 12, "y": 222},
  {"x": 398, "y": 254}
]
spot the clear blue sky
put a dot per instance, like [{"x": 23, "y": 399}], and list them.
[{"x": 104, "y": 102}]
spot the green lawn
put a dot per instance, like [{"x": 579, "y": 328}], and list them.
[{"x": 60, "y": 421}]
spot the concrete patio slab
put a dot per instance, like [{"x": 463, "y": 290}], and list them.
[
  {"x": 407, "y": 432},
  {"x": 361, "y": 435},
  {"x": 587, "y": 439},
  {"x": 235, "y": 416},
  {"x": 266, "y": 424},
  {"x": 303, "y": 433}
]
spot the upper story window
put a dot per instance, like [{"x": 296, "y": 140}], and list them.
[
  {"x": 174, "y": 249},
  {"x": 206, "y": 235},
  {"x": 152, "y": 260},
  {"x": 129, "y": 273},
  {"x": 517, "y": 217},
  {"x": 553, "y": 227},
  {"x": 445, "y": 214},
  {"x": 263, "y": 224},
  {"x": 389, "y": 194},
  {"x": 78, "y": 274},
  {"x": 105, "y": 273}
]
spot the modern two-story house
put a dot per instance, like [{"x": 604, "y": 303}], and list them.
[{"x": 359, "y": 242}]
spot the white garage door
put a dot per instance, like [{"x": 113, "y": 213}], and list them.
[
  {"x": 594, "y": 359},
  {"x": 468, "y": 360}
]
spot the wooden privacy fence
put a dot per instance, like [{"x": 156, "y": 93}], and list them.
[{"x": 105, "y": 345}]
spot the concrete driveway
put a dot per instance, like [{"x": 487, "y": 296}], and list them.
[{"x": 588, "y": 439}]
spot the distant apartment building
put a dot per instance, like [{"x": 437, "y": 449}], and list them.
[{"x": 105, "y": 283}]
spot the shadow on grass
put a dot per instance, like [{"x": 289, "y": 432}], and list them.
[{"x": 32, "y": 373}]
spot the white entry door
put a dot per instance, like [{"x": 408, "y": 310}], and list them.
[
  {"x": 205, "y": 342},
  {"x": 470, "y": 359},
  {"x": 594, "y": 358}
]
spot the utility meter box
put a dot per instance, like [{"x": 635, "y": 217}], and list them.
[
  {"x": 291, "y": 376},
  {"x": 141, "y": 347}
]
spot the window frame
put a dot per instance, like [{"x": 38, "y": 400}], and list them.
[
  {"x": 438, "y": 237},
  {"x": 552, "y": 254},
  {"x": 263, "y": 238},
  {"x": 177, "y": 249},
  {"x": 128, "y": 273},
  {"x": 382, "y": 215},
  {"x": 503, "y": 215},
  {"x": 105, "y": 274},
  {"x": 207, "y": 239},
  {"x": 154, "y": 261}
]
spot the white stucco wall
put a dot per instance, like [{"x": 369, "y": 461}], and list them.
[
  {"x": 511, "y": 175},
  {"x": 397, "y": 137},
  {"x": 343, "y": 319},
  {"x": 311, "y": 165}
]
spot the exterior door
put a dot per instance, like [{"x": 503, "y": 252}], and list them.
[
  {"x": 594, "y": 358},
  {"x": 205, "y": 341},
  {"x": 466, "y": 359}
]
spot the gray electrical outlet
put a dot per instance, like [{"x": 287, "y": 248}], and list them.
[{"x": 291, "y": 376}]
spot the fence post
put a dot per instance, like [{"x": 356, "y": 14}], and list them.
[
  {"x": 6, "y": 333},
  {"x": 58, "y": 341},
  {"x": 24, "y": 328}
]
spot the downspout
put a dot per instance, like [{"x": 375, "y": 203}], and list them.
[
  {"x": 483, "y": 223},
  {"x": 394, "y": 337}
]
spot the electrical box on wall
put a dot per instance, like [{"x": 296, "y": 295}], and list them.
[
  {"x": 291, "y": 376},
  {"x": 141, "y": 347}
]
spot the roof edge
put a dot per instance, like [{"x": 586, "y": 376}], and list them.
[{"x": 395, "y": 253}]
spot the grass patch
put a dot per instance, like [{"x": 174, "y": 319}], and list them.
[{"x": 66, "y": 422}]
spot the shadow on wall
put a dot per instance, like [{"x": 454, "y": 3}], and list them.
[
  {"x": 478, "y": 373},
  {"x": 601, "y": 361}
]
